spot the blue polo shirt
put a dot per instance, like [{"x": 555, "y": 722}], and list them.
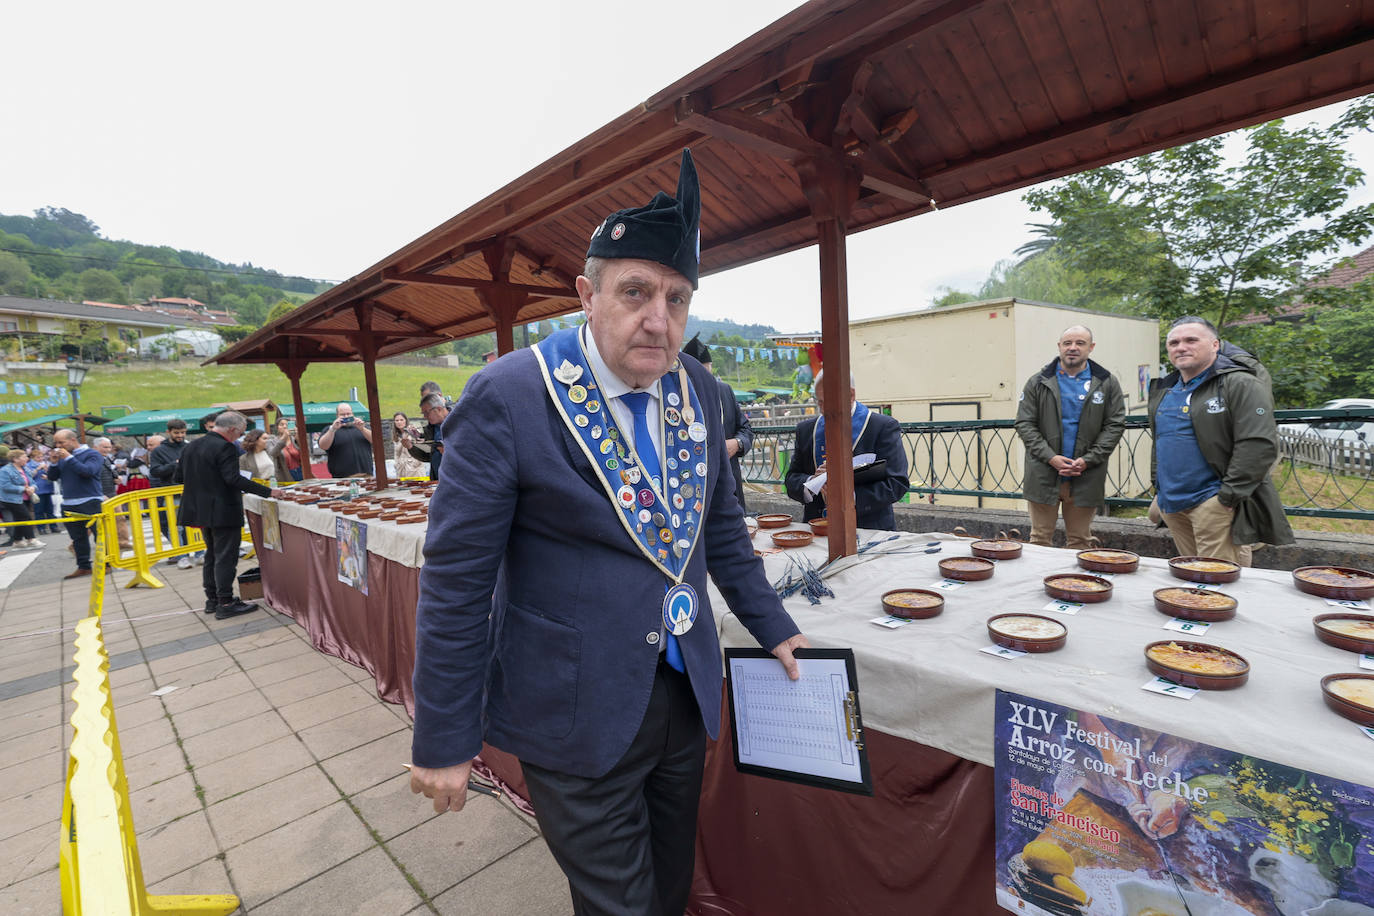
[
  {"x": 1073, "y": 391},
  {"x": 1184, "y": 476}
]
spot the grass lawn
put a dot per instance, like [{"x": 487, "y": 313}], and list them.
[{"x": 190, "y": 385}]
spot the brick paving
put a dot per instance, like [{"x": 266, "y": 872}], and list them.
[{"x": 271, "y": 771}]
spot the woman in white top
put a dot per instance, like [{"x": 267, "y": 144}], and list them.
[
  {"x": 407, "y": 465},
  {"x": 255, "y": 459}
]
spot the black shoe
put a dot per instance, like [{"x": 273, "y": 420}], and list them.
[
  {"x": 211, "y": 605},
  {"x": 234, "y": 608}
]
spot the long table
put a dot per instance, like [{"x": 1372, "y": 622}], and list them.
[{"x": 927, "y": 695}]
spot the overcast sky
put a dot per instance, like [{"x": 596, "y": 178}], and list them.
[{"x": 316, "y": 138}]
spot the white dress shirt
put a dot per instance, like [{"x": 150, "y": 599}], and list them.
[{"x": 612, "y": 387}]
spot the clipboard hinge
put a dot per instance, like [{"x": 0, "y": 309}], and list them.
[{"x": 853, "y": 727}]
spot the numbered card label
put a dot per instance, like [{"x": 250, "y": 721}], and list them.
[
  {"x": 1368, "y": 731},
  {"x": 1203, "y": 586},
  {"x": 1169, "y": 688},
  {"x": 889, "y": 622},
  {"x": 1367, "y": 661},
  {"x": 1187, "y": 626},
  {"x": 1064, "y": 607},
  {"x": 1002, "y": 651},
  {"x": 1105, "y": 575},
  {"x": 946, "y": 585},
  {"x": 1348, "y": 603}
]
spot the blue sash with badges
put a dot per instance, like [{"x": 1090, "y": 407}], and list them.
[
  {"x": 858, "y": 421},
  {"x": 664, "y": 516}
]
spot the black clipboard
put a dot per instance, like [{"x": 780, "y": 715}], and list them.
[
  {"x": 847, "y": 770},
  {"x": 874, "y": 472}
]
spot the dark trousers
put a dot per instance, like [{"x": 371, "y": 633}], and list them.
[
  {"x": 221, "y": 563},
  {"x": 17, "y": 512},
  {"x": 627, "y": 840},
  {"x": 43, "y": 509},
  {"x": 78, "y": 532}
]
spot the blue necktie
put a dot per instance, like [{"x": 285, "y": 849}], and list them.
[{"x": 638, "y": 402}]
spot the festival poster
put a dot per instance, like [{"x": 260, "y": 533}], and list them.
[
  {"x": 271, "y": 524},
  {"x": 351, "y": 535},
  {"x": 1103, "y": 818}
]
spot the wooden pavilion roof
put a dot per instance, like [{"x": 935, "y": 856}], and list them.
[{"x": 925, "y": 104}]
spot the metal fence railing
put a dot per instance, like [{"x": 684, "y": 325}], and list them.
[{"x": 1324, "y": 470}]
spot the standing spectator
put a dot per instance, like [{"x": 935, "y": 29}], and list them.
[
  {"x": 109, "y": 486},
  {"x": 1215, "y": 442},
  {"x": 1070, "y": 416},
  {"x": 78, "y": 469},
  {"x": 435, "y": 409},
  {"x": 213, "y": 502},
  {"x": 16, "y": 498},
  {"x": 255, "y": 459},
  {"x": 429, "y": 388},
  {"x": 43, "y": 505},
  {"x": 138, "y": 464},
  {"x": 162, "y": 466},
  {"x": 347, "y": 443},
  {"x": 407, "y": 465},
  {"x": 739, "y": 436},
  {"x": 285, "y": 452}
]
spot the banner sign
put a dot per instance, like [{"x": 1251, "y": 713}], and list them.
[{"x": 1099, "y": 817}]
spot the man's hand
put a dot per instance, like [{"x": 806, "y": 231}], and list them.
[
  {"x": 406, "y": 440},
  {"x": 61, "y": 454},
  {"x": 447, "y": 786},
  {"x": 1061, "y": 464},
  {"x": 783, "y": 653},
  {"x": 731, "y": 448},
  {"x": 278, "y": 492}
]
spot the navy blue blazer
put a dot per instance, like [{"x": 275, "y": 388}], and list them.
[
  {"x": 556, "y": 665},
  {"x": 872, "y": 501}
]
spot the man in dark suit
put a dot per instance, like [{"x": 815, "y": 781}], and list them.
[
  {"x": 78, "y": 468},
  {"x": 213, "y": 502},
  {"x": 875, "y": 490},
  {"x": 584, "y": 496},
  {"x": 739, "y": 435}
]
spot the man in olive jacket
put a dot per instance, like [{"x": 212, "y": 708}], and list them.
[
  {"x": 1071, "y": 416},
  {"x": 1215, "y": 442}
]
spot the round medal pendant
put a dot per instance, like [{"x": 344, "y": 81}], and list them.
[
  {"x": 673, "y": 399},
  {"x": 607, "y": 446},
  {"x": 612, "y": 464},
  {"x": 581, "y": 420},
  {"x": 672, "y": 416},
  {"x": 577, "y": 394},
  {"x": 644, "y": 516},
  {"x": 597, "y": 433},
  {"x": 626, "y": 495},
  {"x": 593, "y": 406},
  {"x": 680, "y": 608},
  {"x": 684, "y": 455},
  {"x": 646, "y": 498},
  {"x": 697, "y": 431}
]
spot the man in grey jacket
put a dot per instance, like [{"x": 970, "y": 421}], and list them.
[{"x": 1070, "y": 416}]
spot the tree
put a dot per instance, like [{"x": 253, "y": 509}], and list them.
[
  {"x": 15, "y": 275},
  {"x": 1349, "y": 333},
  {"x": 146, "y": 286},
  {"x": 283, "y": 307},
  {"x": 101, "y": 286},
  {"x": 1181, "y": 232},
  {"x": 1042, "y": 277},
  {"x": 65, "y": 218}
]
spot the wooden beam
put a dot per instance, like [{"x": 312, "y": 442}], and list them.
[
  {"x": 477, "y": 283},
  {"x": 354, "y": 335},
  {"x": 294, "y": 369},
  {"x": 367, "y": 344}
]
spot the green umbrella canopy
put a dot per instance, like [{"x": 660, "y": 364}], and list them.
[
  {"x": 319, "y": 414},
  {"x": 148, "y": 422}
]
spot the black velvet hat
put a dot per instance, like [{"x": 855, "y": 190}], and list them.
[
  {"x": 666, "y": 230},
  {"x": 697, "y": 350}
]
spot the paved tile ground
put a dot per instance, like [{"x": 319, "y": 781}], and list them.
[{"x": 270, "y": 771}]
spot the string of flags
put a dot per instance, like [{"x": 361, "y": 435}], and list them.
[
  {"x": 771, "y": 354},
  {"x": 42, "y": 397}
]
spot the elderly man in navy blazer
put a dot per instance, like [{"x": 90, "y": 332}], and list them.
[{"x": 584, "y": 496}]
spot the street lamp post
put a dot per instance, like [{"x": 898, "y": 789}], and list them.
[{"x": 76, "y": 374}]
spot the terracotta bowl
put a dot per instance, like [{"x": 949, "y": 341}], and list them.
[
  {"x": 1355, "y": 710},
  {"x": 774, "y": 521},
  {"x": 1195, "y": 603},
  {"x": 1181, "y": 567},
  {"x": 1359, "y": 637},
  {"x": 792, "y": 538},
  {"x": 411, "y": 520},
  {"x": 1192, "y": 678},
  {"x": 913, "y": 603},
  {"x": 820, "y": 527},
  {"x": 370, "y": 513},
  {"x": 967, "y": 569},
  {"x": 1027, "y": 632},
  {"x": 1339, "y": 582},
  {"x": 1080, "y": 588},
  {"x": 391, "y": 515},
  {"x": 1109, "y": 561},
  {"x": 996, "y": 550}
]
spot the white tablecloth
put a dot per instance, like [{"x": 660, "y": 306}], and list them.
[
  {"x": 929, "y": 682},
  {"x": 402, "y": 544}
]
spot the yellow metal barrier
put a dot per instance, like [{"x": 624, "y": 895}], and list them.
[
  {"x": 99, "y": 868},
  {"x": 151, "y": 516}
]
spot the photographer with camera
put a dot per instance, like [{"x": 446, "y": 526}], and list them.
[{"x": 347, "y": 444}]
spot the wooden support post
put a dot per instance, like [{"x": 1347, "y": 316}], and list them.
[
  {"x": 368, "y": 344},
  {"x": 831, "y": 189},
  {"x": 293, "y": 370},
  {"x": 505, "y": 334},
  {"x": 502, "y": 301}
]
